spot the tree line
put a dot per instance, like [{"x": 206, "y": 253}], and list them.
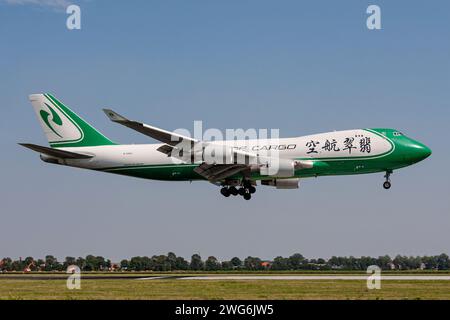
[{"x": 171, "y": 262}]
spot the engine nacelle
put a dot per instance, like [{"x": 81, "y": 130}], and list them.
[
  {"x": 282, "y": 168},
  {"x": 282, "y": 183}
]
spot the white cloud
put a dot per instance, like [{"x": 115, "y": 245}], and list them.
[{"x": 55, "y": 4}]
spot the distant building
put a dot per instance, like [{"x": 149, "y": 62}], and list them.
[
  {"x": 114, "y": 267},
  {"x": 391, "y": 266}
]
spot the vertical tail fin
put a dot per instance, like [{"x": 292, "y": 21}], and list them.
[{"x": 62, "y": 126}]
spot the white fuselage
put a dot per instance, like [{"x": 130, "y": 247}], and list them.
[{"x": 318, "y": 146}]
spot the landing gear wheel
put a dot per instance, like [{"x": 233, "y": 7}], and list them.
[
  {"x": 387, "y": 183},
  {"x": 225, "y": 192},
  {"x": 247, "y": 185},
  {"x": 241, "y": 191},
  {"x": 247, "y": 194},
  {"x": 233, "y": 191}
]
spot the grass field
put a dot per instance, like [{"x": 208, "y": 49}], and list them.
[{"x": 11, "y": 288}]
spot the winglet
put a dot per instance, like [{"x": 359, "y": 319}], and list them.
[{"x": 114, "y": 116}]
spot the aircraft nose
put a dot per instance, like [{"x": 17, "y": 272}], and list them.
[{"x": 420, "y": 151}]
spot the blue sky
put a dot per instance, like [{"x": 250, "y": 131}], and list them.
[{"x": 301, "y": 66}]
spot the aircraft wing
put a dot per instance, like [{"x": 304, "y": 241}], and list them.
[{"x": 170, "y": 138}]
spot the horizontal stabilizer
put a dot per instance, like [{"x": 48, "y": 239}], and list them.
[{"x": 57, "y": 153}]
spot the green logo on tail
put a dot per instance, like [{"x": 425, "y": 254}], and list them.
[{"x": 55, "y": 119}]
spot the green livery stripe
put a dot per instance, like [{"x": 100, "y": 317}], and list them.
[{"x": 175, "y": 172}]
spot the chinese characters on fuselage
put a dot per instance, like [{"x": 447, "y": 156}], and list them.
[{"x": 331, "y": 145}]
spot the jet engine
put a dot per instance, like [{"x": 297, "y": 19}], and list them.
[{"x": 282, "y": 183}]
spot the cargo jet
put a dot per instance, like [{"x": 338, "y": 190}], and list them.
[{"x": 234, "y": 165}]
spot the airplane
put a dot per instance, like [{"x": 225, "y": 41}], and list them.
[{"x": 235, "y": 165}]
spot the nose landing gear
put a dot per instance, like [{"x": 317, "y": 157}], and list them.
[{"x": 387, "y": 183}]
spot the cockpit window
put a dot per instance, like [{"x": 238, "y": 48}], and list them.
[{"x": 397, "y": 134}]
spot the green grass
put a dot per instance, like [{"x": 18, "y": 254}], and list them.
[{"x": 217, "y": 289}]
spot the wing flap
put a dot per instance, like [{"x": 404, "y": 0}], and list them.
[{"x": 217, "y": 172}]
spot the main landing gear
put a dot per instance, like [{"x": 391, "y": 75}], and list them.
[
  {"x": 246, "y": 190},
  {"x": 387, "y": 183}
]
